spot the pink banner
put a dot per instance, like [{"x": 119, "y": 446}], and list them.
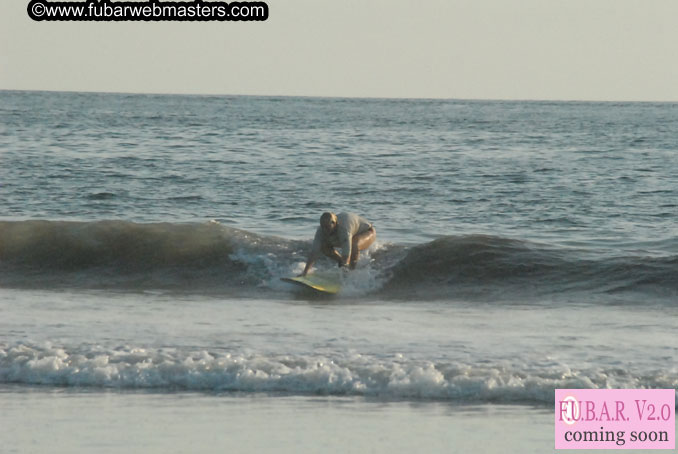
[{"x": 615, "y": 418}]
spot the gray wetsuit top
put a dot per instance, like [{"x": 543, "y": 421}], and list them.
[{"x": 348, "y": 225}]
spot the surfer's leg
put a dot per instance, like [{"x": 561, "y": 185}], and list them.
[{"x": 361, "y": 242}]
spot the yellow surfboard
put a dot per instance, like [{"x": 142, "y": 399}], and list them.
[{"x": 321, "y": 282}]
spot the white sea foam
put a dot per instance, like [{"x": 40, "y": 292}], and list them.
[
  {"x": 365, "y": 278},
  {"x": 347, "y": 374},
  {"x": 269, "y": 265}
]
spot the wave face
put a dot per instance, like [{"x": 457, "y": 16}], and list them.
[
  {"x": 488, "y": 266},
  {"x": 350, "y": 374},
  {"x": 118, "y": 254},
  {"x": 211, "y": 257}
]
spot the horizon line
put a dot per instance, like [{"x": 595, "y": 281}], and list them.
[{"x": 383, "y": 98}]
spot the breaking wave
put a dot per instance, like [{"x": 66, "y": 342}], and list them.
[
  {"x": 212, "y": 257},
  {"x": 395, "y": 377}
]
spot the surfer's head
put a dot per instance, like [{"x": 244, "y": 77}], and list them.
[{"x": 328, "y": 221}]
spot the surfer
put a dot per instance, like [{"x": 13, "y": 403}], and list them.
[{"x": 348, "y": 231}]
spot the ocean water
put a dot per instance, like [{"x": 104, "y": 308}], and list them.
[{"x": 522, "y": 247}]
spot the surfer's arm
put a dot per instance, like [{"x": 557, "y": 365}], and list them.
[
  {"x": 334, "y": 255},
  {"x": 316, "y": 250},
  {"x": 309, "y": 264},
  {"x": 346, "y": 244},
  {"x": 327, "y": 250}
]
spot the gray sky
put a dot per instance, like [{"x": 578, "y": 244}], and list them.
[{"x": 486, "y": 49}]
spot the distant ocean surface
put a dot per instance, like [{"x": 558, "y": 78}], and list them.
[{"x": 522, "y": 246}]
